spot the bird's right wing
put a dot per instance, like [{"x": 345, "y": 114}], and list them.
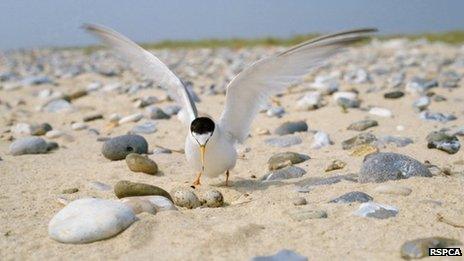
[{"x": 146, "y": 63}]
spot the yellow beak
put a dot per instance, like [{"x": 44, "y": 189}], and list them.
[{"x": 202, "y": 156}]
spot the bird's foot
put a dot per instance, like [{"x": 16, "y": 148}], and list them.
[
  {"x": 196, "y": 182},
  {"x": 227, "y": 178}
]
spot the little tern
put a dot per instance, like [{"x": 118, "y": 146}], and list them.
[{"x": 209, "y": 145}]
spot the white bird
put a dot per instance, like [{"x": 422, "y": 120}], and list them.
[{"x": 210, "y": 146}]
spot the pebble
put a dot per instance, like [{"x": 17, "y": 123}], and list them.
[
  {"x": 347, "y": 95},
  {"x": 291, "y": 127},
  {"x": 376, "y": 210},
  {"x": 162, "y": 151},
  {"x": 436, "y": 116},
  {"x": 289, "y": 172},
  {"x": 79, "y": 126},
  {"x": 325, "y": 84},
  {"x": 284, "y": 159},
  {"x": 284, "y": 141},
  {"x": 212, "y": 198},
  {"x": 393, "y": 95},
  {"x": 40, "y": 129},
  {"x": 305, "y": 214},
  {"x": 93, "y": 117},
  {"x": 306, "y": 185},
  {"x": 156, "y": 113},
  {"x": 418, "y": 85},
  {"x": 383, "y": 166},
  {"x": 125, "y": 188},
  {"x": 442, "y": 141},
  {"x": 398, "y": 141},
  {"x": 119, "y": 147},
  {"x": 138, "y": 205},
  {"x": 282, "y": 255},
  {"x": 161, "y": 203},
  {"x": 311, "y": 101},
  {"x": 382, "y": 112},
  {"x": 335, "y": 165},
  {"x": 145, "y": 128},
  {"x": 185, "y": 197},
  {"x": 350, "y": 197},
  {"x": 360, "y": 139},
  {"x": 419, "y": 248},
  {"x": 21, "y": 129},
  {"x": 422, "y": 103},
  {"x": 28, "y": 145},
  {"x": 363, "y": 125},
  {"x": 99, "y": 186},
  {"x": 299, "y": 201},
  {"x": 139, "y": 163},
  {"x": 277, "y": 112},
  {"x": 320, "y": 140},
  {"x": 90, "y": 219},
  {"x": 57, "y": 105},
  {"x": 171, "y": 109},
  {"x": 348, "y": 103},
  {"x": 131, "y": 118},
  {"x": 70, "y": 191},
  {"x": 393, "y": 189}
]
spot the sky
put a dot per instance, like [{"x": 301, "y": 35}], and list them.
[{"x": 44, "y": 23}]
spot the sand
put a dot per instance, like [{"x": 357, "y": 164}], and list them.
[{"x": 259, "y": 225}]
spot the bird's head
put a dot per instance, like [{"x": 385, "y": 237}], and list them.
[{"x": 202, "y": 129}]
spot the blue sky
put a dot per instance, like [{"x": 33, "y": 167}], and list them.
[{"x": 31, "y": 23}]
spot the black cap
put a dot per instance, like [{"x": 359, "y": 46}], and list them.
[{"x": 202, "y": 125}]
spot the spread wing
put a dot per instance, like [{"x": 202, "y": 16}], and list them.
[
  {"x": 271, "y": 75},
  {"x": 146, "y": 63}
]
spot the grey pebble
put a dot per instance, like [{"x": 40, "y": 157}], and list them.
[
  {"x": 437, "y": 116},
  {"x": 282, "y": 255},
  {"x": 360, "y": 139},
  {"x": 289, "y": 172},
  {"x": 156, "y": 113},
  {"x": 442, "y": 141},
  {"x": 119, "y": 147},
  {"x": 375, "y": 210},
  {"x": 363, "y": 125},
  {"x": 40, "y": 129},
  {"x": 145, "y": 128},
  {"x": 284, "y": 141},
  {"x": 398, "y": 141},
  {"x": 283, "y": 159},
  {"x": 291, "y": 127},
  {"x": 350, "y": 197},
  {"x": 28, "y": 145}
]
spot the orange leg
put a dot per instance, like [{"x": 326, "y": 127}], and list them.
[
  {"x": 196, "y": 182},
  {"x": 227, "y": 178}
]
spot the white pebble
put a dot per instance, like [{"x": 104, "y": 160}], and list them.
[
  {"x": 131, "y": 118},
  {"x": 79, "y": 126},
  {"x": 54, "y": 134},
  {"x": 321, "y": 139},
  {"x": 382, "y": 112}
]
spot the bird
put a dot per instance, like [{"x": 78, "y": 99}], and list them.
[{"x": 210, "y": 146}]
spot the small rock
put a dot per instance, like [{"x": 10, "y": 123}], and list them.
[
  {"x": 442, "y": 141},
  {"x": 376, "y": 210},
  {"x": 393, "y": 190},
  {"x": 139, "y": 163},
  {"x": 276, "y": 112},
  {"x": 306, "y": 185},
  {"x": 320, "y": 140},
  {"x": 284, "y": 141},
  {"x": 185, "y": 197},
  {"x": 347, "y": 95},
  {"x": 280, "y": 160},
  {"x": 145, "y": 128},
  {"x": 52, "y": 146},
  {"x": 360, "y": 139},
  {"x": 162, "y": 151},
  {"x": 291, "y": 127},
  {"x": 393, "y": 95},
  {"x": 418, "y": 85},
  {"x": 419, "y": 248},
  {"x": 99, "y": 186},
  {"x": 289, "y": 172},
  {"x": 422, "y": 103},
  {"x": 57, "y": 105},
  {"x": 41, "y": 129},
  {"x": 79, "y": 126},
  {"x": 282, "y": 255},
  {"x": 161, "y": 203},
  {"x": 439, "y": 98},
  {"x": 382, "y": 112},
  {"x": 21, "y": 129},
  {"x": 125, "y": 188},
  {"x": 212, "y": 198},
  {"x": 93, "y": 117},
  {"x": 171, "y": 109},
  {"x": 363, "y": 125},
  {"x": 119, "y": 147},
  {"x": 438, "y": 116},
  {"x": 28, "y": 145},
  {"x": 90, "y": 219},
  {"x": 70, "y": 191},
  {"x": 335, "y": 165},
  {"x": 311, "y": 101},
  {"x": 138, "y": 205},
  {"x": 348, "y": 103},
  {"x": 304, "y": 214},
  {"x": 131, "y": 118},
  {"x": 350, "y": 197},
  {"x": 380, "y": 167},
  {"x": 156, "y": 113},
  {"x": 398, "y": 141},
  {"x": 299, "y": 201}
]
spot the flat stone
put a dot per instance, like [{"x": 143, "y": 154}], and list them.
[
  {"x": 282, "y": 255},
  {"x": 375, "y": 210},
  {"x": 90, "y": 219},
  {"x": 305, "y": 214},
  {"x": 119, "y": 147},
  {"x": 139, "y": 163},
  {"x": 442, "y": 141},
  {"x": 289, "y": 172},
  {"x": 350, "y": 197},
  {"x": 28, "y": 145},
  {"x": 125, "y": 188},
  {"x": 280, "y": 160},
  {"x": 360, "y": 139},
  {"x": 419, "y": 248},
  {"x": 393, "y": 190},
  {"x": 284, "y": 141},
  {"x": 363, "y": 125},
  {"x": 383, "y": 166},
  {"x": 291, "y": 127}
]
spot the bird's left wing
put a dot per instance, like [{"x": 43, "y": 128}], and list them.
[
  {"x": 146, "y": 63},
  {"x": 269, "y": 76}
]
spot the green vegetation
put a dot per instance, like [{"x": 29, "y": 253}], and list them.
[{"x": 452, "y": 37}]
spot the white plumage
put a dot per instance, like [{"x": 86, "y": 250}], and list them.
[{"x": 245, "y": 93}]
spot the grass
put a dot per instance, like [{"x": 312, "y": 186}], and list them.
[{"x": 451, "y": 37}]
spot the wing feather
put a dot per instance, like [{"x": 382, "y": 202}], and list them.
[{"x": 252, "y": 87}]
